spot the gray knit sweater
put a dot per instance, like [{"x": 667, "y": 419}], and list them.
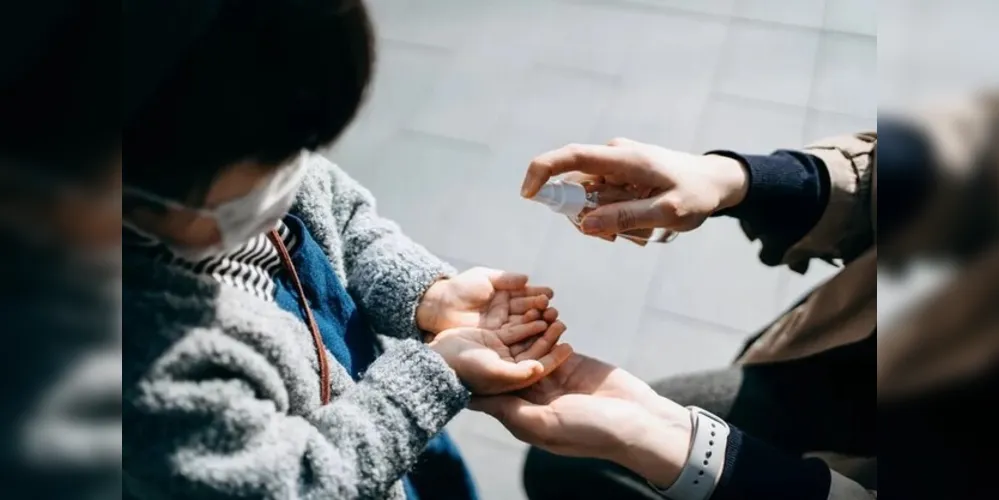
[{"x": 221, "y": 388}]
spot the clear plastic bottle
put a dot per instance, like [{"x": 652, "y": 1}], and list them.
[{"x": 574, "y": 201}]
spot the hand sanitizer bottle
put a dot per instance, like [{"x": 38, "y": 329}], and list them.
[
  {"x": 567, "y": 198},
  {"x": 574, "y": 201}
]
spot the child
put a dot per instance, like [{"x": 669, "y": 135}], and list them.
[{"x": 256, "y": 275}]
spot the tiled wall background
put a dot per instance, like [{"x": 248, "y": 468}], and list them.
[{"x": 468, "y": 91}]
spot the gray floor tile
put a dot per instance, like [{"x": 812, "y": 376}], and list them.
[
  {"x": 589, "y": 37},
  {"x": 511, "y": 31},
  {"x": 749, "y": 126},
  {"x": 855, "y": 16},
  {"x": 496, "y": 468},
  {"x": 439, "y": 23},
  {"x": 469, "y": 100},
  {"x": 895, "y": 86},
  {"x": 845, "y": 81},
  {"x": 821, "y": 124},
  {"x": 808, "y": 13},
  {"x": 769, "y": 62},
  {"x": 653, "y": 113},
  {"x": 713, "y": 275},
  {"x": 405, "y": 76},
  {"x": 669, "y": 345},
  {"x": 713, "y": 7},
  {"x": 495, "y": 226},
  {"x": 957, "y": 37},
  {"x": 676, "y": 50},
  {"x": 559, "y": 105},
  {"x": 419, "y": 181},
  {"x": 662, "y": 102}
]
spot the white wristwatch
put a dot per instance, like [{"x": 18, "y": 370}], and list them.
[{"x": 709, "y": 439}]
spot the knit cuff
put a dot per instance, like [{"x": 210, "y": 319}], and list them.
[
  {"x": 418, "y": 380},
  {"x": 754, "y": 469},
  {"x": 788, "y": 193}
]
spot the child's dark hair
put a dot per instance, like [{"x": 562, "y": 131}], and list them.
[
  {"x": 265, "y": 80},
  {"x": 59, "y": 91}
]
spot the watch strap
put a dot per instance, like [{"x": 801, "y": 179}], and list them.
[{"x": 699, "y": 476}]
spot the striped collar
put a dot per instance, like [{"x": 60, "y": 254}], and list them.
[{"x": 250, "y": 267}]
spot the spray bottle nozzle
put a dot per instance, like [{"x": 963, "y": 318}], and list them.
[{"x": 567, "y": 198}]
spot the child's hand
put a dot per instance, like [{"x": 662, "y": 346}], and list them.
[
  {"x": 483, "y": 298},
  {"x": 485, "y": 362}
]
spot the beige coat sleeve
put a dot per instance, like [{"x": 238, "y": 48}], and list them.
[{"x": 848, "y": 225}]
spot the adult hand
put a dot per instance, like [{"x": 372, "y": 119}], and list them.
[
  {"x": 483, "y": 298},
  {"x": 486, "y": 364},
  {"x": 588, "y": 408},
  {"x": 676, "y": 190}
]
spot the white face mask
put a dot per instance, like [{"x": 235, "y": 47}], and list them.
[{"x": 243, "y": 218}]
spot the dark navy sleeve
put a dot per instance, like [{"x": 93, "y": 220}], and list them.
[
  {"x": 906, "y": 173},
  {"x": 754, "y": 470},
  {"x": 788, "y": 192}
]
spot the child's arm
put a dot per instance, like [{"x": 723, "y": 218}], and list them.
[
  {"x": 387, "y": 272},
  {"x": 214, "y": 416},
  {"x": 211, "y": 420}
]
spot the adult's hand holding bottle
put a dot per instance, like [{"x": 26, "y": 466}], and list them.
[{"x": 676, "y": 190}]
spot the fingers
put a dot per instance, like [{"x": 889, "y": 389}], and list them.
[
  {"x": 521, "y": 305},
  {"x": 529, "y": 316},
  {"x": 606, "y": 237},
  {"x": 526, "y": 372},
  {"x": 515, "y": 333},
  {"x": 544, "y": 343},
  {"x": 625, "y": 216},
  {"x": 554, "y": 359},
  {"x": 503, "y": 280},
  {"x": 517, "y": 349},
  {"x": 589, "y": 159},
  {"x": 584, "y": 179},
  {"x": 533, "y": 290},
  {"x": 498, "y": 312},
  {"x": 550, "y": 315}
]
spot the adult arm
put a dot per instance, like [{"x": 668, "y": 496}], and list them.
[
  {"x": 810, "y": 203},
  {"x": 752, "y": 468}
]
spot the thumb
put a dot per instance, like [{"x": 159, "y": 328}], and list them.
[
  {"x": 625, "y": 216},
  {"x": 507, "y": 376},
  {"x": 513, "y": 376}
]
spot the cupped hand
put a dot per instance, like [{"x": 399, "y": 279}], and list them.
[
  {"x": 483, "y": 298},
  {"x": 505, "y": 359},
  {"x": 588, "y": 408},
  {"x": 675, "y": 190}
]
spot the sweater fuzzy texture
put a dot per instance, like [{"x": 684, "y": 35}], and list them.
[{"x": 221, "y": 388}]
